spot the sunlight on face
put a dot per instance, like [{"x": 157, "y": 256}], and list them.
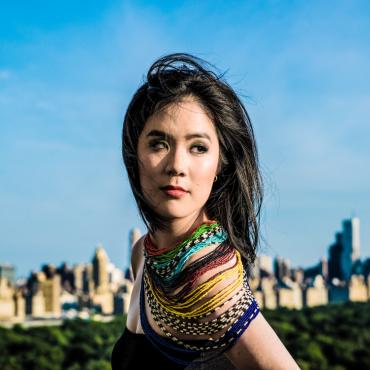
[{"x": 178, "y": 146}]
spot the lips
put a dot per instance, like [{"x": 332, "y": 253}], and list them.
[
  {"x": 174, "y": 191},
  {"x": 171, "y": 187}
]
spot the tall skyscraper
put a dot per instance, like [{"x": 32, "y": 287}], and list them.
[
  {"x": 51, "y": 289},
  {"x": 281, "y": 268},
  {"x": 334, "y": 260},
  {"x": 7, "y": 308},
  {"x": 44, "y": 290},
  {"x": 351, "y": 245},
  {"x": 100, "y": 269},
  {"x": 78, "y": 283},
  {"x": 265, "y": 264}
]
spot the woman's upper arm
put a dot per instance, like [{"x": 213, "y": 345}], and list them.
[
  {"x": 259, "y": 347},
  {"x": 136, "y": 256}
]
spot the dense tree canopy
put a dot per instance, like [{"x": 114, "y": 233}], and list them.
[{"x": 335, "y": 337}]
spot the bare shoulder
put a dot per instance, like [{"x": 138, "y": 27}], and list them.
[
  {"x": 259, "y": 348},
  {"x": 137, "y": 261},
  {"x": 137, "y": 255}
]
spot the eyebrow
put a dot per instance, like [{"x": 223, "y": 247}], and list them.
[{"x": 187, "y": 137}]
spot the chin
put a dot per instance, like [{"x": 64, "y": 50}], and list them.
[{"x": 174, "y": 212}]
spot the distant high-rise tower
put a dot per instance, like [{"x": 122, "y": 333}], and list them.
[
  {"x": 324, "y": 268},
  {"x": 281, "y": 268},
  {"x": 265, "y": 264},
  {"x": 100, "y": 269},
  {"x": 334, "y": 261},
  {"x": 351, "y": 245}
]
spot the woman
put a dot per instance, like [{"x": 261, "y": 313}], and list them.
[{"x": 191, "y": 159}]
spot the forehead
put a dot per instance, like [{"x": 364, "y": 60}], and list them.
[{"x": 181, "y": 119}]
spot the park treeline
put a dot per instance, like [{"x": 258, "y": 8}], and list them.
[{"x": 334, "y": 337}]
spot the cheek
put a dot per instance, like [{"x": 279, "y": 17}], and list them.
[
  {"x": 147, "y": 164},
  {"x": 148, "y": 174},
  {"x": 209, "y": 165},
  {"x": 204, "y": 174}
]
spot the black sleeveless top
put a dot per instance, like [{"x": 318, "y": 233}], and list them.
[{"x": 134, "y": 351}]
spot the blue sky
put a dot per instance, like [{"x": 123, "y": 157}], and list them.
[{"x": 69, "y": 68}]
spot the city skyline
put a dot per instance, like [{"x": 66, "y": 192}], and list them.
[
  {"x": 68, "y": 71},
  {"x": 99, "y": 286},
  {"x": 349, "y": 237}
]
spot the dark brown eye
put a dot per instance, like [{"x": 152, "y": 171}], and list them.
[
  {"x": 201, "y": 148},
  {"x": 158, "y": 144}
]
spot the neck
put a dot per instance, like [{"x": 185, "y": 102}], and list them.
[{"x": 177, "y": 231}]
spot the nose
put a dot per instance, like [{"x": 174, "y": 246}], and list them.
[{"x": 176, "y": 161}]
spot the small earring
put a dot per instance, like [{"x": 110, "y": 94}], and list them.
[{"x": 215, "y": 179}]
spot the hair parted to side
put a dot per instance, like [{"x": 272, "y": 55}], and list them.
[{"x": 236, "y": 197}]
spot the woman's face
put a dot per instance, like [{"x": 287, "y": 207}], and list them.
[{"x": 178, "y": 147}]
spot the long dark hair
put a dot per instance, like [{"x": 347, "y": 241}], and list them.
[{"x": 236, "y": 197}]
